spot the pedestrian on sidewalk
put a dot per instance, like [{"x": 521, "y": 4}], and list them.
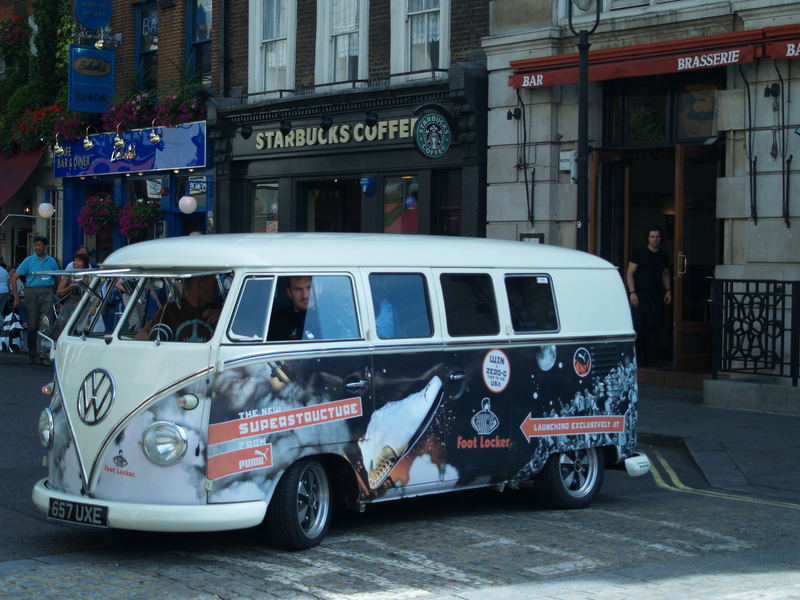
[
  {"x": 70, "y": 292},
  {"x": 4, "y": 293},
  {"x": 39, "y": 292},
  {"x": 649, "y": 290}
]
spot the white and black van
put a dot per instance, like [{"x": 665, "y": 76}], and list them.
[{"x": 261, "y": 377}]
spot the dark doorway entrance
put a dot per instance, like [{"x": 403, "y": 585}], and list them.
[
  {"x": 675, "y": 189},
  {"x": 330, "y": 205}
]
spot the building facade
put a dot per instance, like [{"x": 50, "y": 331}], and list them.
[
  {"x": 348, "y": 115},
  {"x": 692, "y": 129}
]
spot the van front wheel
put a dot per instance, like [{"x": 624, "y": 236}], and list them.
[
  {"x": 571, "y": 479},
  {"x": 300, "y": 511}
]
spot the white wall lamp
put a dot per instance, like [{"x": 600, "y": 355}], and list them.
[
  {"x": 46, "y": 210},
  {"x": 58, "y": 149},
  {"x": 88, "y": 143},
  {"x": 187, "y": 204}
]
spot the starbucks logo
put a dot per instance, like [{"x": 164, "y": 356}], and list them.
[{"x": 432, "y": 135}]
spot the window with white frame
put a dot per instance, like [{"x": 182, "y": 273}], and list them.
[
  {"x": 272, "y": 45},
  {"x": 420, "y": 35},
  {"x": 341, "y": 40}
]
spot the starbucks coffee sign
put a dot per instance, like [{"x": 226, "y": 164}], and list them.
[
  {"x": 385, "y": 131},
  {"x": 432, "y": 135}
]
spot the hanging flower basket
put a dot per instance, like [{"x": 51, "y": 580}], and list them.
[
  {"x": 131, "y": 114},
  {"x": 15, "y": 34},
  {"x": 137, "y": 218},
  {"x": 98, "y": 215}
]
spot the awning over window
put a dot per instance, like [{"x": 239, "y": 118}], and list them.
[
  {"x": 15, "y": 170},
  {"x": 672, "y": 56}
]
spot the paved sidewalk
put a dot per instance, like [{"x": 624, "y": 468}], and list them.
[{"x": 739, "y": 450}]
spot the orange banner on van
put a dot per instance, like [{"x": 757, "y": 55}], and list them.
[
  {"x": 571, "y": 425},
  {"x": 239, "y": 461},
  {"x": 307, "y": 416}
]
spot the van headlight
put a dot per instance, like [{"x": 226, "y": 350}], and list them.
[
  {"x": 164, "y": 443},
  {"x": 46, "y": 428}
]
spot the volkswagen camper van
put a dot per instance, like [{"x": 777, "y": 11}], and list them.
[{"x": 267, "y": 377}]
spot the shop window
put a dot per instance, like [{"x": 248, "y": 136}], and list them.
[
  {"x": 313, "y": 308},
  {"x": 400, "y": 204},
  {"x": 646, "y": 117},
  {"x": 200, "y": 41},
  {"x": 264, "y": 214},
  {"x": 531, "y": 303},
  {"x": 146, "y": 46},
  {"x": 662, "y": 110},
  {"x": 341, "y": 40},
  {"x": 400, "y": 305},
  {"x": 249, "y": 321},
  {"x": 469, "y": 304},
  {"x": 272, "y": 44},
  {"x": 696, "y": 104},
  {"x": 420, "y": 35}
]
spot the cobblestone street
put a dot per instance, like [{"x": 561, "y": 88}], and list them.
[{"x": 645, "y": 543}]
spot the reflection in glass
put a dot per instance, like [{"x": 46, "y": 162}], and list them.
[
  {"x": 400, "y": 205},
  {"x": 696, "y": 110},
  {"x": 647, "y": 117}
]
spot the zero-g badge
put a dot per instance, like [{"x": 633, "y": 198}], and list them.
[
  {"x": 432, "y": 135},
  {"x": 95, "y": 396}
]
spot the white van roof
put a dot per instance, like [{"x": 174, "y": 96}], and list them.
[{"x": 303, "y": 250}]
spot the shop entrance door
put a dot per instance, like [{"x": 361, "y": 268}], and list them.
[
  {"x": 695, "y": 254},
  {"x": 331, "y": 205},
  {"x": 675, "y": 189}
]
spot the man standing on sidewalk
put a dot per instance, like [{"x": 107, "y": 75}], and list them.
[
  {"x": 649, "y": 290},
  {"x": 39, "y": 292}
]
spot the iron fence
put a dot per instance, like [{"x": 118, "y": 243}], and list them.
[{"x": 756, "y": 327}]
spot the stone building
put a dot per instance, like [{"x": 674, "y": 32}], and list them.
[{"x": 692, "y": 128}]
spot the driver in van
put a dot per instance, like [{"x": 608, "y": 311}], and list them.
[
  {"x": 289, "y": 322},
  {"x": 191, "y": 320}
]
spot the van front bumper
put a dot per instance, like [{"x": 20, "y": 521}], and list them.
[{"x": 163, "y": 517}]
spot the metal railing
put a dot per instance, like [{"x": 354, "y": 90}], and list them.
[{"x": 756, "y": 327}]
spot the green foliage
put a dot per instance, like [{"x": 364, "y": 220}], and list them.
[
  {"x": 49, "y": 67},
  {"x": 19, "y": 100},
  {"x": 8, "y": 85}
]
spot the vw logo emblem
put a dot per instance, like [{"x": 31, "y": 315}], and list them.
[{"x": 95, "y": 397}]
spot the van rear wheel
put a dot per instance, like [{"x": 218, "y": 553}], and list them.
[
  {"x": 300, "y": 510},
  {"x": 571, "y": 479}
]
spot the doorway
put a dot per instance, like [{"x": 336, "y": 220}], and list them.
[
  {"x": 331, "y": 205},
  {"x": 674, "y": 189}
]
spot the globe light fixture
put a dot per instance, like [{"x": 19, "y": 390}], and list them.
[
  {"x": 46, "y": 210},
  {"x": 187, "y": 204}
]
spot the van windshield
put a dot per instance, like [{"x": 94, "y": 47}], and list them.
[{"x": 164, "y": 309}]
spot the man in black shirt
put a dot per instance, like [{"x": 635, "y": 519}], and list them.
[
  {"x": 649, "y": 290},
  {"x": 289, "y": 322}
]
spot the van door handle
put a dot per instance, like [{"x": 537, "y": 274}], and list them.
[
  {"x": 457, "y": 376},
  {"x": 356, "y": 385}
]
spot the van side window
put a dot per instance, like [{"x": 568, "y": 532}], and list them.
[
  {"x": 401, "y": 306},
  {"x": 312, "y": 308},
  {"x": 469, "y": 304},
  {"x": 249, "y": 322},
  {"x": 530, "y": 301}
]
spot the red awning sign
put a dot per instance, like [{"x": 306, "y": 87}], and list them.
[
  {"x": 637, "y": 68},
  {"x": 779, "y": 50},
  {"x": 15, "y": 170}
]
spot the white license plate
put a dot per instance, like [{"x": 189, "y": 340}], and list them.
[{"x": 78, "y": 512}]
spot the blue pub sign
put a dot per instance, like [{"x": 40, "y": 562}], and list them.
[{"x": 91, "y": 79}]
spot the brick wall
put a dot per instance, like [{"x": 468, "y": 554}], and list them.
[
  {"x": 306, "y": 43},
  {"x": 380, "y": 35},
  {"x": 14, "y": 8},
  {"x": 469, "y": 22}
]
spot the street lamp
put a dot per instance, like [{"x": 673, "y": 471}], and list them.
[{"x": 582, "y": 224}]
